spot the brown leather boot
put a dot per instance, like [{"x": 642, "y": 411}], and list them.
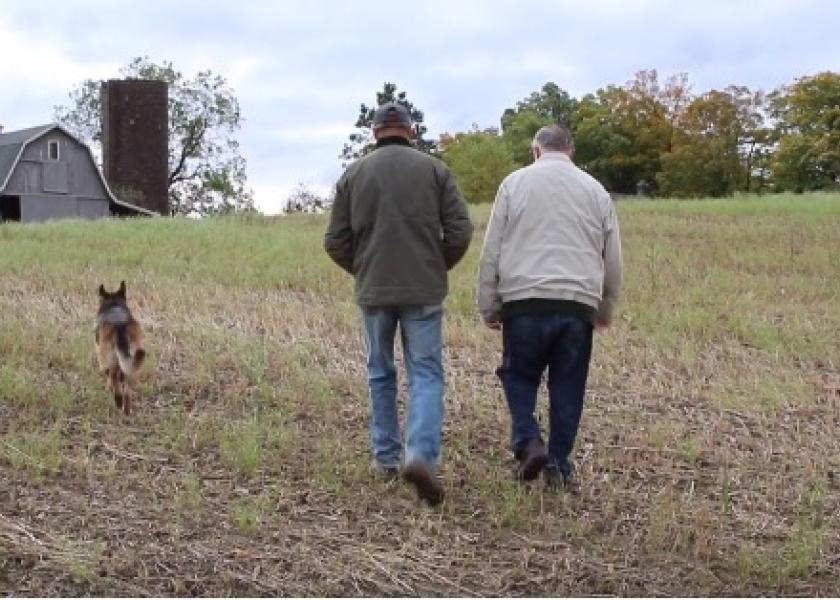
[{"x": 421, "y": 476}]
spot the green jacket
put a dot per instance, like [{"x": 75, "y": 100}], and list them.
[{"x": 398, "y": 224}]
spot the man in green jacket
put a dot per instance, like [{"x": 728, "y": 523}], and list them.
[{"x": 398, "y": 224}]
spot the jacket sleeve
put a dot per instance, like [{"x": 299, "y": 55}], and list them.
[
  {"x": 489, "y": 300},
  {"x": 338, "y": 240},
  {"x": 612, "y": 267},
  {"x": 455, "y": 221}
]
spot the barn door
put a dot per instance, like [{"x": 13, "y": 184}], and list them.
[{"x": 9, "y": 208}]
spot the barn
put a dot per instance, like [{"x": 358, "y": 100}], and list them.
[{"x": 46, "y": 173}]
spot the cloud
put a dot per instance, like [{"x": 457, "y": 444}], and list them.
[
  {"x": 303, "y": 133},
  {"x": 39, "y": 74}
]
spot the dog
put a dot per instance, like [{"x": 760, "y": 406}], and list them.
[{"x": 119, "y": 344}]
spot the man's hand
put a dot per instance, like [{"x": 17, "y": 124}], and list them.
[
  {"x": 493, "y": 322},
  {"x": 601, "y": 326}
]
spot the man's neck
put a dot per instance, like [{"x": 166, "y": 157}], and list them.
[
  {"x": 554, "y": 154},
  {"x": 391, "y": 140}
]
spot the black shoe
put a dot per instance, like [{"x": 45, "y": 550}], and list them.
[
  {"x": 421, "y": 476},
  {"x": 532, "y": 459},
  {"x": 557, "y": 479}
]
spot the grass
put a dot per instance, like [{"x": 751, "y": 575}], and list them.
[
  {"x": 188, "y": 501},
  {"x": 708, "y": 456},
  {"x": 241, "y": 449},
  {"x": 246, "y": 515},
  {"x": 36, "y": 452}
]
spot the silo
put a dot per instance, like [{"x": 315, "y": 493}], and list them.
[{"x": 135, "y": 141}]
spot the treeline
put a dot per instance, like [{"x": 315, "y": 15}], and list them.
[{"x": 661, "y": 139}]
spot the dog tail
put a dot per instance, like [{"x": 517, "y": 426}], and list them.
[
  {"x": 139, "y": 356},
  {"x": 129, "y": 361},
  {"x": 123, "y": 344}
]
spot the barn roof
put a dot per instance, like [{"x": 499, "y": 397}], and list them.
[{"x": 13, "y": 143}]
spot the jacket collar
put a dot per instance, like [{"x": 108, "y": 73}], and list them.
[
  {"x": 394, "y": 140},
  {"x": 554, "y": 155}
]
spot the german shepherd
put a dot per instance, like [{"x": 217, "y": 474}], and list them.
[{"x": 119, "y": 348}]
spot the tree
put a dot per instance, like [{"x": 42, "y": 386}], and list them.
[
  {"x": 674, "y": 97},
  {"x": 304, "y": 199},
  {"x": 719, "y": 145},
  {"x": 519, "y": 131},
  {"x": 362, "y": 142},
  {"x": 206, "y": 172},
  {"x": 808, "y": 129},
  {"x": 755, "y": 138},
  {"x": 704, "y": 159},
  {"x": 604, "y": 145},
  {"x": 480, "y": 159},
  {"x": 621, "y": 133},
  {"x": 550, "y": 106}
]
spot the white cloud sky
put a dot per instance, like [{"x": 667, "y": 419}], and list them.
[{"x": 301, "y": 70}]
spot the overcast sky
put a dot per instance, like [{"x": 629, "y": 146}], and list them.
[{"x": 301, "y": 69}]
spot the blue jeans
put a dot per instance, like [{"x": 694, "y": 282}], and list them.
[
  {"x": 532, "y": 342},
  {"x": 421, "y": 331}
]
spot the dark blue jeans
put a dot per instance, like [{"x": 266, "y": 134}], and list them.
[{"x": 563, "y": 344}]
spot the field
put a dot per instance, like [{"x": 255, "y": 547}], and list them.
[{"x": 708, "y": 457}]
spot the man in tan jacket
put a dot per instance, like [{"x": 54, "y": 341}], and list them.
[{"x": 550, "y": 272}]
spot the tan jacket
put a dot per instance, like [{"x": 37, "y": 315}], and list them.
[{"x": 553, "y": 234}]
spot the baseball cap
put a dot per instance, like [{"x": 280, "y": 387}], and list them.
[{"x": 391, "y": 114}]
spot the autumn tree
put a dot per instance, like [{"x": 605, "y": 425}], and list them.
[
  {"x": 480, "y": 159},
  {"x": 808, "y": 129},
  {"x": 361, "y": 141},
  {"x": 661, "y": 133},
  {"x": 621, "y": 133},
  {"x": 704, "y": 159},
  {"x": 206, "y": 170}
]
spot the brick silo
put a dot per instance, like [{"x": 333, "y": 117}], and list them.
[{"x": 135, "y": 141}]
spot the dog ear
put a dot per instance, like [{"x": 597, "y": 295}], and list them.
[
  {"x": 121, "y": 291},
  {"x": 102, "y": 292}
]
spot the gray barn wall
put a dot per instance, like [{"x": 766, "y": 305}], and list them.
[
  {"x": 26, "y": 179},
  {"x": 93, "y": 208},
  {"x": 81, "y": 176},
  {"x": 41, "y": 208},
  {"x": 67, "y": 188},
  {"x": 45, "y": 207}
]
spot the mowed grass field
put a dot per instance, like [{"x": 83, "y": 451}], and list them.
[{"x": 708, "y": 456}]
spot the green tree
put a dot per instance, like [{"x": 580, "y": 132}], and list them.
[
  {"x": 480, "y": 159},
  {"x": 362, "y": 141},
  {"x": 808, "y": 129},
  {"x": 519, "y": 131},
  {"x": 206, "y": 171},
  {"x": 550, "y": 106},
  {"x": 604, "y": 144}
]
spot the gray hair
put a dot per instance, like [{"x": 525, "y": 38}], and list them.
[{"x": 554, "y": 138}]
